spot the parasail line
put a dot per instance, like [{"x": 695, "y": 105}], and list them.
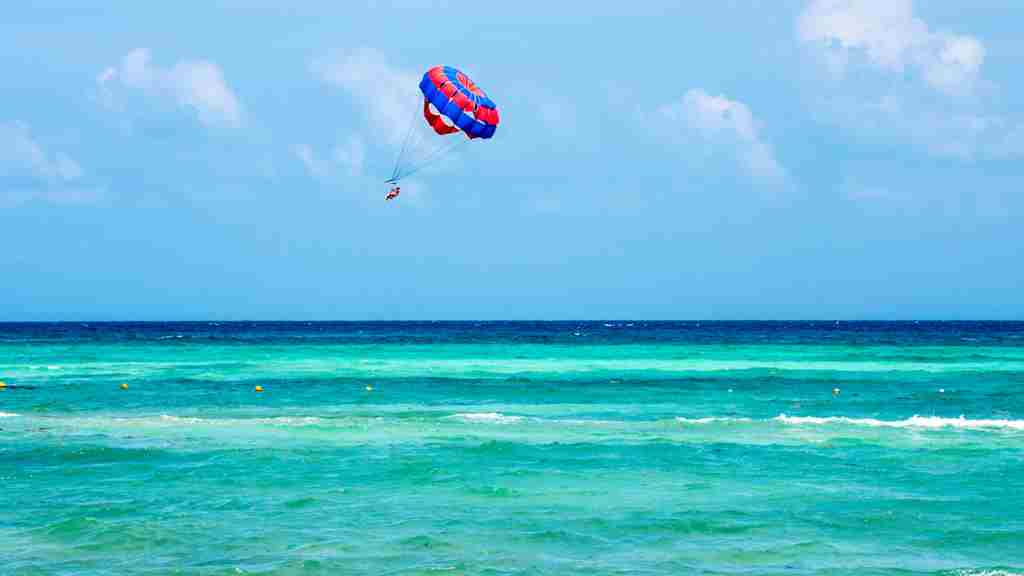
[
  {"x": 435, "y": 155},
  {"x": 405, "y": 142}
]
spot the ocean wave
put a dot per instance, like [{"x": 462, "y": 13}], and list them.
[
  {"x": 986, "y": 573},
  {"x": 711, "y": 420},
  {"x": 291, "y": 421},
  {"x": 925, "y": 422},
  {"x": 492, "y": 417},
  {"x": 168, "y": 419},
  {"x": 932, "y": 422},
  {"x": 172, "y": 421},
  {"x": 564, "y": 422},
  {"x": 274, "y": 421},
  {"x": 583, "y": 363}
]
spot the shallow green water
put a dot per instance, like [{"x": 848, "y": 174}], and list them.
[{"x": 551, "y": 449}]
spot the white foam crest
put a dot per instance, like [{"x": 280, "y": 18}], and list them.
[
  {"x": 711, "y": 420},
  {"x": 932, "y": 422},
  {"x": 987, "y": 573},
  {"x": 170, "y": 420},
  {"x": 291, "y": 420},
  {"x": 586, "y": 422},
  {"x": 8, "y": 414},
  {"x": 274, "y": 421},
  {"x": 491, "y": 417},
  {"x": 173, "y": 419}
]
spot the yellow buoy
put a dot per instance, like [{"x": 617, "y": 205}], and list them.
[
  {"x": 3, "y": 384},
  {"x": 124, "y": 386},
  {"x": 259, "y": 388},
  {"x": 369, "y": 388}
]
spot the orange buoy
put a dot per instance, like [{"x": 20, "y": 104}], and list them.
[{"x": 259, "y": 388}]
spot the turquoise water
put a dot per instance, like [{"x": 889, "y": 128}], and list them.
[{"x": 504, "y": 448}]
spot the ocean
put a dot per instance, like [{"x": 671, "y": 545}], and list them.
[{"x": 512, "y": 448}]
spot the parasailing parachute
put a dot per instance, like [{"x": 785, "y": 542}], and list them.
[{"x": 451, "y": 104}]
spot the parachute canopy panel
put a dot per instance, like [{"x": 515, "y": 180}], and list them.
[{"x": 452, "y": 103}]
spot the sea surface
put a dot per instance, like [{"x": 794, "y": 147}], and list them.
[{"x": 504, "y": 448}]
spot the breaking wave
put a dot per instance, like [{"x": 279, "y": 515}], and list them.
[
  {"x": 492, "y": 417},
  {"x": 912, "y": 422}
]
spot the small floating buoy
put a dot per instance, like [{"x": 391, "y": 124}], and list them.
[
  {"x": 259, "y": 388},
  {"x": 835, "y": 391},
  {"x": 369, "y": 388},
  {"x": 3, "y": 384},
  {"x": 124, "y": 386}
]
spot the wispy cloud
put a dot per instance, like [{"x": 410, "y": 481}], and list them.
[
  {"x": 345, "y": 159},
  {"x": 315, "y": 166},
  {"x": 889, "y": 72},
  {"x": 198, "y": 85},
  {"x": 389, "y": 98},
  {"x": 351, "y": 155},
  {"x": 722, "y": 122},
  {"x": 28, "y": 171},
  {"x": 886, "y": 34},
  {"x": 388, "y": 95}
]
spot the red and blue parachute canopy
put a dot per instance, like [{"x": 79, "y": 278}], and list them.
[{"x": 453, "y": 103}]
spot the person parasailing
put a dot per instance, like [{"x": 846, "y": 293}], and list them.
[{"x": 451, "y": 103}]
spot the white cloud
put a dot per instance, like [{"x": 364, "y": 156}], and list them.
[
  {"x": 887, "y": 35},
  {"x": 957, "y": 63},
  {"x": 343, "y": 166},
  {"x": 391, "y": 102},
  {"x": 314, "y": 165},
  {"x": 195, "y": 84},
  {"x": 895, "y": 76},
  {"x": 387, "y": 95},
  {"x": 350, "y": 156},
  {"x": 19, "y": 152},
  {"x": 885, "y": 30},
  {"x": 717, "y": 119},
  {"x": 27, "y": 170}
]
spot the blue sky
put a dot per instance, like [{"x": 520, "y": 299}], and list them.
[{"x": 223, "y": 160}]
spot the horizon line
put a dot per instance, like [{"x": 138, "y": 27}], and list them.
[{"x": 534, "y": 321}]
